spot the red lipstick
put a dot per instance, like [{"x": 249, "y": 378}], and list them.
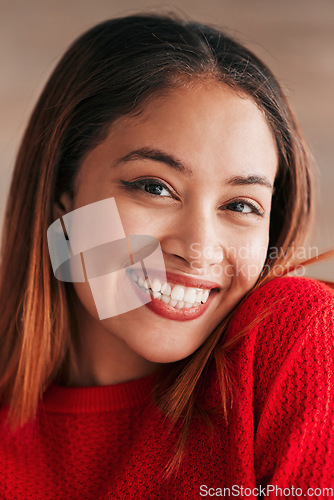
[
  {"x": 181, "y": 279},
  {"x": 169, "y": 312}
]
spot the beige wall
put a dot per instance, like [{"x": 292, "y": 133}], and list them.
[{"x": 295, "y": 37}]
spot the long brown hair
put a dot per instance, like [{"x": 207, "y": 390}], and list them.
[{"x": 113, "y": 70}]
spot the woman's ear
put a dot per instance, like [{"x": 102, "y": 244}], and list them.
[{"x": 63, "y": 205}]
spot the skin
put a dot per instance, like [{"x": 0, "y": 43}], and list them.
[{"x": 217, "y": 134}]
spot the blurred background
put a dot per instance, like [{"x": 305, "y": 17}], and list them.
[{"x": 294, "y": 37}]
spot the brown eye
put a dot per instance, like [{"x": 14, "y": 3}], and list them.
[
  {"x": 243, "y": 207},
  {"x": 150, "y": 186},
  {"x": 240, "y": 206},
  {"x": 154, "y": 188}
]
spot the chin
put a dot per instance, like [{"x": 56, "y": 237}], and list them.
[{"x": 168, "y": 355}]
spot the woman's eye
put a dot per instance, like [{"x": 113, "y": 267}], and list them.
[
  {"x": 154, "y": 187},
  {"x": 150, "y": 186},
  {"x": 243, "y": 207}
]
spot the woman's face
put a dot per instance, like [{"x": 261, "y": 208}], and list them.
[{"x": 202, "y": 185}]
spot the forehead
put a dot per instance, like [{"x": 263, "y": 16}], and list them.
[
  {"x": 213, "y": 112},
  {"x": 211, "y": 128},
  {"x": 198, "y": 103}
]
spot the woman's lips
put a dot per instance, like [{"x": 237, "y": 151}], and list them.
[
  {"x": 182, "y": 279},
  {"x": 166, "y": 311}
]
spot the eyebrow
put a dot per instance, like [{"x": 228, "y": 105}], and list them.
[
  {"x": 156, "y": 155},
  {"x": 173, "y": 162},
  {"x": 240, "y": 180}
]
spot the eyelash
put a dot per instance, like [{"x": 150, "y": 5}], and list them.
[{"x": 140, "y": 183}]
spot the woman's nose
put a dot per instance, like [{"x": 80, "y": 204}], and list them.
[
  {"x": 204, "y": 254},
  {"x": 196, "y": 240}
]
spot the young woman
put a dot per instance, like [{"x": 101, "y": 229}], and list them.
[{"x": 220, "y": 383}]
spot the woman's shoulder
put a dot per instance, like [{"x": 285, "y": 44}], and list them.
[
  {"x": 287, "y": 318},
  {"x": 300, "y": 290},
  {"x": 289, "y": 344},
  {"x": 286, "y": 300}
]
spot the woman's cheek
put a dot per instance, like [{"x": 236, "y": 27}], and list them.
[
  {"x": 247, "y": 257},
  {"x": 135, "y": 219}
]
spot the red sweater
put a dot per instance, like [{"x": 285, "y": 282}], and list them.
[{"x": 107, "y": 442}]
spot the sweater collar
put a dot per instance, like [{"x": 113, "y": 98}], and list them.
[{"x": 62, "y": 399}]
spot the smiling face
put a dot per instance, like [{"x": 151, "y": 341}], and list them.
[{"x": 195, "y": 170}]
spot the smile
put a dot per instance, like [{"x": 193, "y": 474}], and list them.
[
  {"x": 178, "y": 296},
  {"x": 173, "y": 300}
]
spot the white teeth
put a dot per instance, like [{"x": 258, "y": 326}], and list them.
[
  {"x": 178, "y": 296},
  {"x": 156, "y": 285},
  {"x": 177, "y": 292},
  {"x": 166, "y": 289},
  {"x": 190, "y": 295}
]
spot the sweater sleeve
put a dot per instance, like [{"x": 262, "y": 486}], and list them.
[{"x": 294, "y": 389}]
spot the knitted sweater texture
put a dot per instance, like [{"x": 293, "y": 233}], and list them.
[{"x": 112, "y": 442}]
